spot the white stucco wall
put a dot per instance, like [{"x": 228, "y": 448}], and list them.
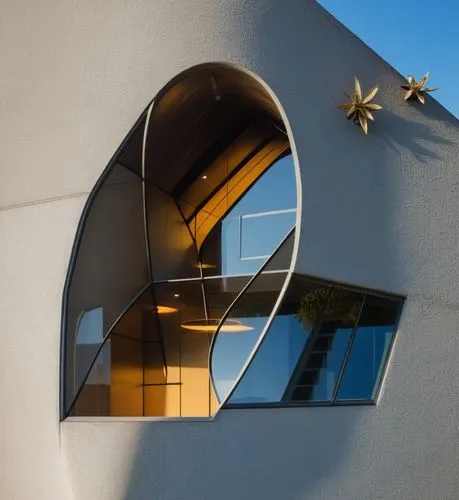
[{"x": 378, "y": 211}]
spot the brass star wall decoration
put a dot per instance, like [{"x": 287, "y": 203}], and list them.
[
  {"x": 415, "y": 90},
  {"x": 359, "y": 108}
]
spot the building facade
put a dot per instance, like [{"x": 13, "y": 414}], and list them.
[{"x": 213, "y": 285}]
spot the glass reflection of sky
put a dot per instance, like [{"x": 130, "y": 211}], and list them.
[
  {"x": 231, "y": 353},
  {"x": 328, "y": 375},
  {"x": 270, "y": 372},
  {"x": 90, "y": 327},
  {"x": 88, "y": 338},
  {"x": 254, "y": 228},
  {"x": 366, "y": 362}
]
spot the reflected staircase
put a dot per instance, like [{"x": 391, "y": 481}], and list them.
[{"x": 306, "y": 375}]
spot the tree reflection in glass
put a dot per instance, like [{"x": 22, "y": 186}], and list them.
[{"x": 327, "y": 343}]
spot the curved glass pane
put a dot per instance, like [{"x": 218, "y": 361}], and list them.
[{"x": 110, "y": 268}]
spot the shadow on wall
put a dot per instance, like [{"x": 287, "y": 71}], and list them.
[
  {"x": 257, "y": 454},
  {"x": 418, "y": 138}
]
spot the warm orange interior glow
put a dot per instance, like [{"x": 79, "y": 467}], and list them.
[
  {"x": 211, "y": 325},
  {"x": 165, "y": 309},
  {"x": 230, "y": 193},
  {"x": 207, "y": 266}
]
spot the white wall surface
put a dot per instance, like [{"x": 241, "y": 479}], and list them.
[
  {"x": 379, "y": 211},
  {"x": 35, "y": 243}
]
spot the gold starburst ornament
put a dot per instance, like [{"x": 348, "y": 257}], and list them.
[
  {"x": 416, "y": 90},
  {"x": 359, "y": 109}
]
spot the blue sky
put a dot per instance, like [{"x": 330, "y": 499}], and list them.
[{"x": 413, "y": 36}]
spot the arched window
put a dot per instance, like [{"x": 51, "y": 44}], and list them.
[
  {"x": 181, "y": 295},
  {"x": 196, "y": 210}
]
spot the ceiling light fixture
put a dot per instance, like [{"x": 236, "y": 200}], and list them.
[
  {"x": 215, "y": 89},
  {"x": 211, "y": 325},
  {"x": 208, "y": 266},
  {"x": 202, "y": 265},
  {"x": 165, "y": 309}
]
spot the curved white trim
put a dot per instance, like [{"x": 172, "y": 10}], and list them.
[{"x": 144, "y": 189}]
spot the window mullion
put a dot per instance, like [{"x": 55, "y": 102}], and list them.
[{"x": 348, "y": 352}]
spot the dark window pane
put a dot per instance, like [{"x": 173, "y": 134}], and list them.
[
  {"x": 369, "y": 349},
  {"x": 172, "y": 249},
  {"x": 110, "y": 267},
  {"x": 185, "y": 123},
  {"x": 221, "y": 292},
  {"x": 282, "y": 260}
]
